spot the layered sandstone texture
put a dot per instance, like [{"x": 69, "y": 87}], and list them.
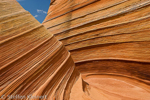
[
  {"x": 109, "y": 41},
  {"x": 32, "y": 61}
]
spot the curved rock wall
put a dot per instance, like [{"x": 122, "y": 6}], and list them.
[
  {"x": 113, "y": 31},
  {"x": 109, "y": 41},
  {"x": 33, "y": 64}
]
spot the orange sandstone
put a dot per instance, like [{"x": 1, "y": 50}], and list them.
[{"x": 109, "y": 42}]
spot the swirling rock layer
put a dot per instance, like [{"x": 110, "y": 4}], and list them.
[
  {"x": 109, "y": 41},
  {"x": 33, "y": 64}
]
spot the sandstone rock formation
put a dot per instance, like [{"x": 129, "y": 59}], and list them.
[
  {"x": 33, "y": 64},
  {"x": 108, "y": 40}
]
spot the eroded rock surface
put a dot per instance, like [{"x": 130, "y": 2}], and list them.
[
  {"x": 109, "y": 41},
  {"x": 33, "y": 64}
]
